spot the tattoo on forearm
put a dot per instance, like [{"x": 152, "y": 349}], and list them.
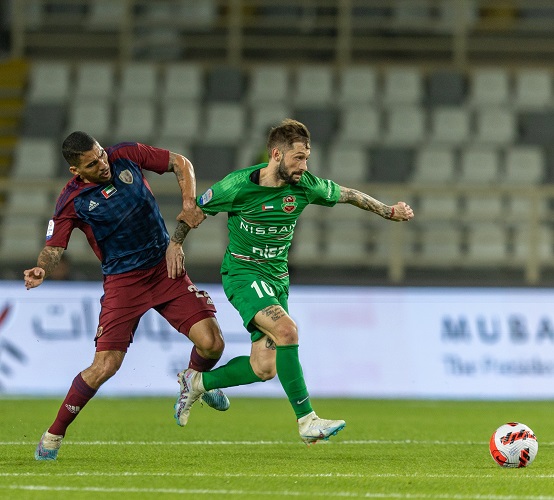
[
  {"x": 180, "y": 233},
  {"x": 49, "y": 258},
  {"x": 274, "y": 312},
  {"x": 269, "y": 344},
  {"x": 364, "y": 201}
]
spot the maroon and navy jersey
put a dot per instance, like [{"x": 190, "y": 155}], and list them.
[{"x": 121, "y": 219}]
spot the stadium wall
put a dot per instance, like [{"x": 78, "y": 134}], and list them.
[{"x": 360, "y": 342}]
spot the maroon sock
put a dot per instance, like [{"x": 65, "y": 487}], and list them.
[
  {"x": 199, "y": 363},
  {"x": 78, "y": 396}
]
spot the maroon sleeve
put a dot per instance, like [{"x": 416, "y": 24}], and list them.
[
  {"x": 147, "y": 157},
  {"x": 61, "y": 226}
]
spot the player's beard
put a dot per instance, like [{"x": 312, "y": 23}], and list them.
[{"x": 286, "y": 176}]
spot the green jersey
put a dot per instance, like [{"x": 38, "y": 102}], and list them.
[{"x": 262, "y": 219}]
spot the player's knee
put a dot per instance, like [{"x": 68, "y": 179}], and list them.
[
  {"x": 286, "y": 334},
  {"x": 265, "y": 372}
]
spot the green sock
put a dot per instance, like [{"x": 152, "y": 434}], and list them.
[
  {"x": 290, "y": 374},
  {"x": 236, "y": 372}
]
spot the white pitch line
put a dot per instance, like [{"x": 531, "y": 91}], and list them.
[
  {"x": 285, "y": 493},
  {"x": 264, "y": 443},
  {"x": 333, "y": 475}
]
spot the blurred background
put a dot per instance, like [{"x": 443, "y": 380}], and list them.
[{"x": 445, "y": 104}]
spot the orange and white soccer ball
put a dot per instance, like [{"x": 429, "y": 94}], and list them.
[{"x": 513, "y": 445}]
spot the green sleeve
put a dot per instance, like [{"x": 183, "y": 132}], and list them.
[
  {"x": 220, "y": 197},
  {"x": 321, "y": 191}
]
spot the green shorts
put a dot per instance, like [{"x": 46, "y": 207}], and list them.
[{"x": 249, "y": 294}]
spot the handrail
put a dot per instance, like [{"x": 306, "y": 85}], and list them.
[
  {"x": 458, "y": 33},
  {"x": 396, "y": 262}
]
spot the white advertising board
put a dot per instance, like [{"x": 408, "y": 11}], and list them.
[{"x": 354, "y": 342}]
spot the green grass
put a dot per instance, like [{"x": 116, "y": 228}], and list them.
[{"x": 132, "y": 448}]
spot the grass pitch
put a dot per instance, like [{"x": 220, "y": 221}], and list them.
[{"x": 132, "y": 448}]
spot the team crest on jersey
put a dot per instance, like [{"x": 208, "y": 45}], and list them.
[
  {"x": 126, "y": 176},
  {"x": 289, "y": 204}
]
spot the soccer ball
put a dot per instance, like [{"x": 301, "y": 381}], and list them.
[{"x": 513, "y": 445}]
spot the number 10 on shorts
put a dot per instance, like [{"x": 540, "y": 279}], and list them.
[{"x": 263, "y": 288}]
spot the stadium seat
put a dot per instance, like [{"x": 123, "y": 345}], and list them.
[
  {"x": 225, "y": 83},
  {"x": 524, "y": 165},
  {"x": 433, "y": 206},
  {"x": 265, "y": 115},
  {"x": 441, "y": 244},
  {"x": 22, "y": 237},
  {"x": 536, "y": 127},
  {"x": 35, "y": 159},
  {"x": 182, "y": 82},
  {"x": 406, "y": 125},
  {"x": 391, "y": 164},
  {"x": 347, "y": 164},
  {"x": 212, "y": 161},
  {"x": 321, "y": 121},
  {"x": 43, "y": 120},
  {"x": 225, "y": 123},
  {"x": 489, "y": 86},
  {"x": 485, "y": 206},
  {"x": 450, "y": 125},
  {"x": 346, "y": 239},
  {"x": 105, "y": 15},
  {"x": 533, "y": 88},
  {"x": 49, "y": 83},
  {"x": 181, "y": 119},
  {"x": 93, "y": 116},
  {"x": 135, "y": 121},
  {"x": 357, "y": 85},
  {"x": 307, "y": 244},
  {"x": 313, "y": 86},
  {"x": 486, "y": 243},
  {"x": 446, "y": 88},
  {"x": 95, "y": 80},
  {"x": 403, "y": 85},
  {"x": 479, "y": 165},
  {"x": 495, "y": 126},
  {"x": 207, "y": 244},
  {"x": 434, "y": 165},
  {"x": 523, "y": 244},
  {"x": 138, "y": 82},
  {"x": 360, "y": 125},
  {"x": 268, "y": 84}
]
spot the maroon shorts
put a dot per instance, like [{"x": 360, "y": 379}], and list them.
[{"x": 128, "y": 296}]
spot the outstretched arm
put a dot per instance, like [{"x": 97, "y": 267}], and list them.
[
  {"x": 191, "y": 214},
  {"x": 399, "y": 212},
  {"x": 174, "y": 255},
  {"x": 47, "y": 260}
]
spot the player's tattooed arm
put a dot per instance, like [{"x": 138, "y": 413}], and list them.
[
  {"x": 180, "y": 233},
  {"x": 184, "y": 172},
  {"x": 399, "y": 212},
  {"x": 47, "y": 260},
  {"x": 174, "y": 255}
]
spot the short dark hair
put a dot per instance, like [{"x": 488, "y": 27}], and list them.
[
  {"x": 286, "y": 134},
  {"x": 75, "y": 145}
]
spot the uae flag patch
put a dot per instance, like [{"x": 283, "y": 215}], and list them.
[
  {"x": 108, "y": 191},
  {"x": 265, "y": 207}
]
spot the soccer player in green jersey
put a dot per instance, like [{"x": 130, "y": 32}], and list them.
[{"x": 263, "y": 203}]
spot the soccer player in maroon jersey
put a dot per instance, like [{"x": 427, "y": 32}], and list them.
[{"x": 110, "y": 201}]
